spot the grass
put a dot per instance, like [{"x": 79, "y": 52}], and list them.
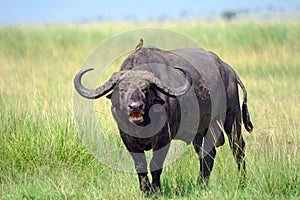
[{"x": 42, "y": 157}]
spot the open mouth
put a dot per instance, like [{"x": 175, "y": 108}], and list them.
[{"x": 136, "y": 117}]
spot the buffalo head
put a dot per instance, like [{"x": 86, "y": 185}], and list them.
[{"x": 136, "y": 91}]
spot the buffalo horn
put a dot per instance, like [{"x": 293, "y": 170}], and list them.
[
  {"x": 174, "y": 91},
  {"x": 100, "y": 91}
]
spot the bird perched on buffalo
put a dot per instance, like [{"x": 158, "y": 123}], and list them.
[{"x": 140, "y": 44}]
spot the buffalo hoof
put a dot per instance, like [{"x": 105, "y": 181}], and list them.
[
  {"x": 203, "y": 182},
  {"x": 152, "y": 192}
]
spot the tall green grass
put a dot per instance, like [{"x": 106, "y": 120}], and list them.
[{"x": 41, "y": 156}]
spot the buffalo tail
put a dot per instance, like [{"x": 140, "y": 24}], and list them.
[{"x": 245, "y": 113}]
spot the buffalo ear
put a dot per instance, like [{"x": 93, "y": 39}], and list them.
[
  {"x": 156, "y": 96},
  {"x": 158, "y": 101},
  {"x": 109, "y": 95}
]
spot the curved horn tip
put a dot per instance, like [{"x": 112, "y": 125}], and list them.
[
  {"x": 186, "y": 72},
  {"x": 178, "y": 67},
  {"x": 80, "y": 74},
  {"x": 182, "y": 69},
  {"x": 87, "y": 69}
]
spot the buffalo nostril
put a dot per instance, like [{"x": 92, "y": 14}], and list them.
[{"x": 135, "y": 106}]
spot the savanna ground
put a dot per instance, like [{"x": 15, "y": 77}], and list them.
[{"x": 41, "y": 156}]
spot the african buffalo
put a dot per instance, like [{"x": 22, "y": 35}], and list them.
[{"x": 192, "y": 83}]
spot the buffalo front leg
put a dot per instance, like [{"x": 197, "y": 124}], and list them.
[
  {"x": 140, "y": 164},
  {"x": 156, "y": 166},
  {"x": 160, "y": 149},
  {"x": 206, "y": 152}
]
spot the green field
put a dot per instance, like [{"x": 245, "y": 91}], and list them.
[{"x": 41, "y": 156}]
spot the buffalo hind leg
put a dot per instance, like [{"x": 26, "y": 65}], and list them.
[
  {"x": 206, "y": 152},
  {"x": 239, "y": 151},
  {"x": 236, "y": 140}
]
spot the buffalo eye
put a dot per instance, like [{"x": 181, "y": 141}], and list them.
[{"x": 141, "y": 107}]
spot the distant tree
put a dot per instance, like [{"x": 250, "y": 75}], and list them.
[{"x": 229, "y": 15}]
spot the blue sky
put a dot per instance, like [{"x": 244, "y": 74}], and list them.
[{"x": 60, "y": 11}]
